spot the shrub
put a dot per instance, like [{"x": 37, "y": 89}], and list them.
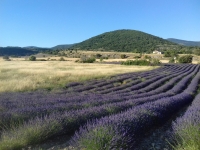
[
  {"x": 147, "y": 57},
  {"x": 196, "y": 52},
  {"x": 123, "y": 56},
  {"x": 32, "y": 58},
  {"x": 87, "y": 60},
  {"x": 136, "y": 62},
  {"x": 6, "y": 58},
  {"x": 171, "y": 53},
  {"x": 98, "y": 56},
  {"x": 155, "y": 62},
  {"x": 171, "y": 60},
  {"x": 137, "y": 57},
  {"x": 105, "y": 57},
  {"x": 185, "y": 59},
  {"x": 61, "y": 59},
  {"x": 77, "y": 61}
]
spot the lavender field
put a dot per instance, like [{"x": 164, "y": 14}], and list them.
[{"x": 105, "y": 114}]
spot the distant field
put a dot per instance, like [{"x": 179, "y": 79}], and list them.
[
  {"x": 113, "y": 56},
  {"x": 27, "y": 76}
]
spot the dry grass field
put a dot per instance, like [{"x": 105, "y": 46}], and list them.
[
  {"x": 21, "y": 75},
  {"x": 18, "y": 75}
]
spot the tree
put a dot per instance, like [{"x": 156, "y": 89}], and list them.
[
  {"x": 98, "y": 56},
  {"x": 155, "y": 62},
  {"x": 123, "y": 56},
  {"x": 171, "y": 53},
  {"x": 6, "y": 57},
  {"x": 32, "y": 58},
  {"x": 185, "y": 59},
  {"x": 171, "y": 60},
  {"x": 196, "y": 52}
]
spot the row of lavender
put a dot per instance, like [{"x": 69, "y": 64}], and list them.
[
  {"x": 68, "y": 121},
  {"x": 125, "y": 89},
  {"x": 185, "y": 133},
  {"x": 22, "y": 114},
  {"x": 89, "y": 101},
  {"x": 128, "y": 79},
  {"x": 27, "y": 101},
  {"x": 124, "y": 130}
]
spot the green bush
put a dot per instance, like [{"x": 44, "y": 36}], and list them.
[
  {"x": 98, "y": 56},
  {"x": 171, "y": 53},
  {"x": 147, "y": 57},
  {"x": 185, "y": 59},
  {"x": 196, "y": 52},
  {"x": 123, "y": 56},
  {"x": 155, "y": 62},
  {"x": 137, "y": 57},
  {"x": 136, "y": 62},
  {"x": 32, "y": 58},
  {"x": 6, "y": 58},
  {"x": 171, "y": 60},
  {"x": 87, "y": 60}
]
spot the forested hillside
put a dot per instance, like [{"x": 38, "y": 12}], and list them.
[
  {"x": 16, "y": 51},
  {"x": 125, "y": 40},
  {"x": 60, "y": 47}
]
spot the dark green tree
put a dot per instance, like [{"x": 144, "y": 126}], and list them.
[
  {"x": 185, "y": 59},
  {"x": 32, "y": 58},
  {"x": 6, "y": 57},
  {"x": 123, "y": 56}
]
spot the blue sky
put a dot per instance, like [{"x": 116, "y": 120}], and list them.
[{"x": 46, "y": 23}]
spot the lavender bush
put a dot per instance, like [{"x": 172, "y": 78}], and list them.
[{"x": 24, "y": 115}]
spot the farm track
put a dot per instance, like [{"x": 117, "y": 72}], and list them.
[{"x": 131, "y": 91}]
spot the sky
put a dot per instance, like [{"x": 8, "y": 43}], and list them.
[{"x": 47, "y": 23}]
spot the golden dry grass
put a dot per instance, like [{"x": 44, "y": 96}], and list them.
[{"x": 27, "y": 75}]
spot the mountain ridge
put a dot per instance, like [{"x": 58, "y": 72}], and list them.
[
  {"x": 62, "y": 46},
  {"x": 184, "y": 42}
]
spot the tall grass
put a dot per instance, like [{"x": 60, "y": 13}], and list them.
[
  {"x": 29, "y": 76},
  {"x": 27, "y": 134},
  {"x": 188, "y": 138}
]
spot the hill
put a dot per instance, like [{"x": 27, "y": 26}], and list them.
[
  {"x": 124, "y": 41},
  {"x": 60, "y": 47},
  {"x": 184, "y": 42},
  {"x": 16, "y": 51},
  {"x": 32, "y": 47}
]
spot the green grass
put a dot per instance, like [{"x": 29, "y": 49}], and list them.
[
  {"x": 28, "y": 134},
  {"x": 188, "y": 138},
  {"x": 101, "y": 138}
]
